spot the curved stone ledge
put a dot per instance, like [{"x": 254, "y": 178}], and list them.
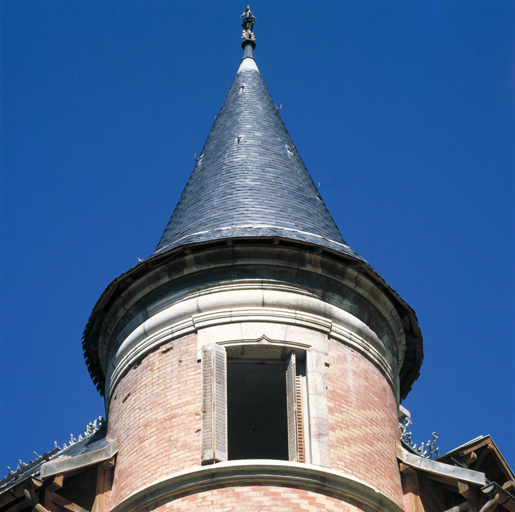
[
  {"x": 342, "y": 287},
  {"x": 258, "y": 472},
  {"x": 194, "y": 272},
  {"x": 224, "y": 306},
  {"x": 247, "y": 293}
]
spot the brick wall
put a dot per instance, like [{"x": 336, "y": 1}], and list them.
[
  {"x": 155, "y": 416},
  {"x": 257, "y": 498},
  {"x": 363, "y": 421}
]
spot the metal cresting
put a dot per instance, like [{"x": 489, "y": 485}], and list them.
[
  {"x": 428, "y": 450},
  {"x": 91, "y": 428}
]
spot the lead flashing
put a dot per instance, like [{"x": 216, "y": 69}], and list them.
[
  {"x": 66, "y": 464},
  {"x": 439, "y": 468},
  {"x": 248, "y": 64}
]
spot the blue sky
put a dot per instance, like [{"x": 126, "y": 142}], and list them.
[{"x": 403, "y": 111}]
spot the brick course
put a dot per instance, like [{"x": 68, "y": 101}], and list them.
[{"x": 258, "y": 498}]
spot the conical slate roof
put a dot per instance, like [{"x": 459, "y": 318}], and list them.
[
  {"x": 249, "y": 183},
  {"x": 249, "y": 180}
]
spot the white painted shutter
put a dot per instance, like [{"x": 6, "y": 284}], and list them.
[
  {"x": 294, "y": 412},
  {"x": 214, "y": 404}
]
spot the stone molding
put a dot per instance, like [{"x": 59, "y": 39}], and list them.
[
  {"x": 258, "y": 472},
  {"x": 337, "y": 280},
  {"x": 245, "y": 302}
]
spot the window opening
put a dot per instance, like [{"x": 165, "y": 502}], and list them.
[
  {"x": 257, "y": 412},
  {"x": 253, "y": 403}
]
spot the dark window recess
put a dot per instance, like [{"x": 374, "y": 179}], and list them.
[{"x": 257, "y": 412}]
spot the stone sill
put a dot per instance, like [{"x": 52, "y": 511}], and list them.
[{"x": 258, "y": 472}]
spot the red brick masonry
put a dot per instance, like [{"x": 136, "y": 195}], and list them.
[
  {"x": 155, "y": 416},
  {"x": 363, "y": 421}
]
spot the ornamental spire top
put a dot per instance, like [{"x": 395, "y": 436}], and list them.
[{"x": 248, "y": 24}]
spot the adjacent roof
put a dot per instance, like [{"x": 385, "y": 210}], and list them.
[
  {"x": 482, "y": 454},
  {"x": 88, "y": 447},
  {"x": 249, "y": 180}
]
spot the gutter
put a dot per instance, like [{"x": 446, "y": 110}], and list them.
[
  {"x": 66, "y": 464},
  {"x": 498, "y": 496},
  {"x": 439, "y": 468}
]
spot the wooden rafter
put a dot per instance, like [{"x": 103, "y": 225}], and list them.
[{"x": 64, "y": 503}]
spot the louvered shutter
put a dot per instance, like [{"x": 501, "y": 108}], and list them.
[
  {"x": 294, "y": 411},
  {"x": 214, "y": 404}
]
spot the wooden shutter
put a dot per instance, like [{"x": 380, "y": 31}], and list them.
[
  {"x": 294, "y": 411},
  {"x": 214, "y": 404}
]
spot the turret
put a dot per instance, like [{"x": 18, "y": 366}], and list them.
[{"x": 254, "y": 353}]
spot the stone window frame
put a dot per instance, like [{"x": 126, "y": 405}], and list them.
[{"x": 307, "y": 392}]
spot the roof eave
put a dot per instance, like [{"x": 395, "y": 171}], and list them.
[{"x": 409, "y": 372}]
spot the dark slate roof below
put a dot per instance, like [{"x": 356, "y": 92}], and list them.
[{"x": 249, "y": 180}]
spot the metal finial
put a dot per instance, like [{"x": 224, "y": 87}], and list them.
[{"x": 248, "y": 24}]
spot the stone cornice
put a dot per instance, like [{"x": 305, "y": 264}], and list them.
[
  {"x": 258, "y": 472},
  {"x": 247, "y": 302},
  {"x": 194, "y": 273}
]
